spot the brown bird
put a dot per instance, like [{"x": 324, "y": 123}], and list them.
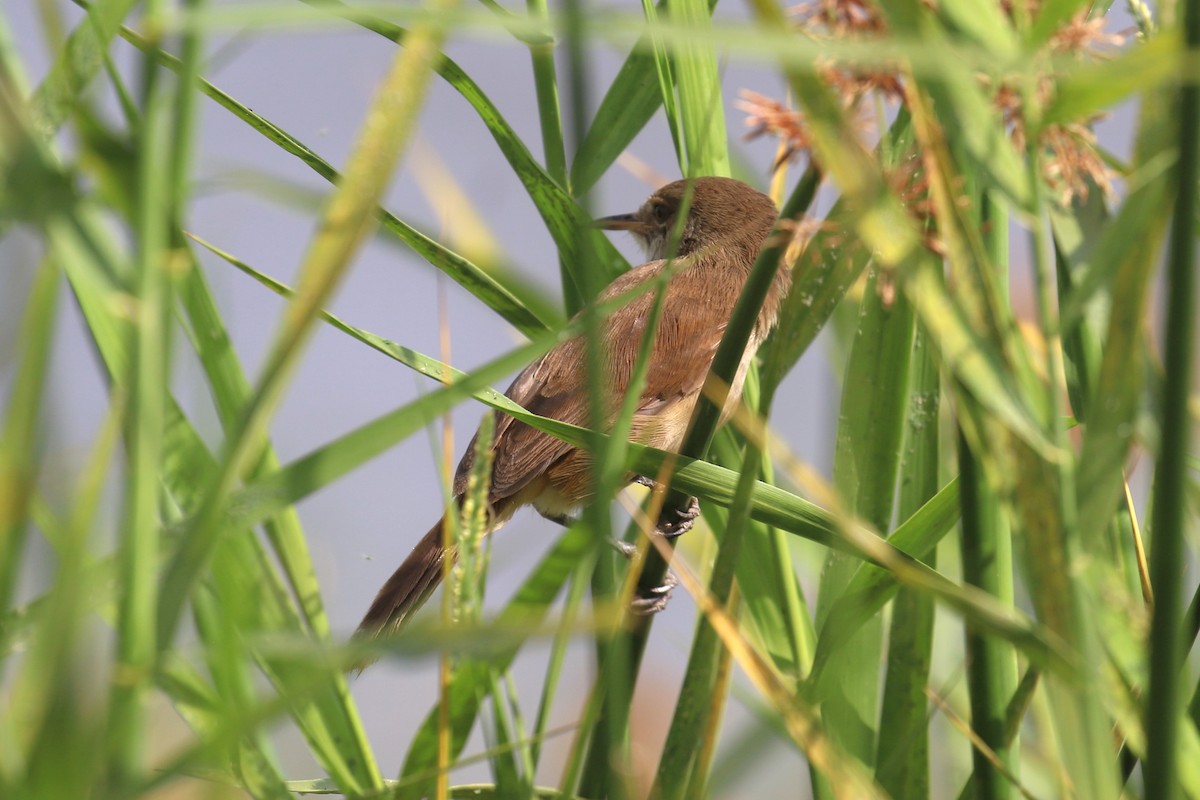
[{"x": 726, "y": 224}]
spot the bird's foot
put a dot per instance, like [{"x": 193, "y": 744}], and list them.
[
  {"x": 642, "y": 480},
  {"x": 651, "y": 601},
  {"x": 647, "y": 601},
  {"x": 672, "y": 522}
]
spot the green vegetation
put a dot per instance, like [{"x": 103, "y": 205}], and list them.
[{"x": 982, "y": 444}]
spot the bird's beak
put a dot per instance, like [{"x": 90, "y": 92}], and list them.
[{"x": 622, "y": 222}]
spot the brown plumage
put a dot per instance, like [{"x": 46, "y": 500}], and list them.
[{"x": 727, "y": 222}]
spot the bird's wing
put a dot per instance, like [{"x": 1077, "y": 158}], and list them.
[
  {"x": 555, "y": 385},
  {"x": 684, "y": 346}
]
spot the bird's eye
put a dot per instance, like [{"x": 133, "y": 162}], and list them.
[{"x": 661, "y": 212}]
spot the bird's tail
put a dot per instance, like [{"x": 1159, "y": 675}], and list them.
[{"x": 409, "y": 587}]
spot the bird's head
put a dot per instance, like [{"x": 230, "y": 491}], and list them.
[{"x": 721, "y": 213}]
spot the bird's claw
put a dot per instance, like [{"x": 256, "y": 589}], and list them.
[
  {"x": 627, "y": 549},
  {"x": 642, "y": 480},
  {"x": 674, "y": 522},
  {"x": 653, "y": 600},
  {"x": 647, "y": 601}
]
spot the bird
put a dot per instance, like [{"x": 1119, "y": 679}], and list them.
[{"x": 710, "y": 254}]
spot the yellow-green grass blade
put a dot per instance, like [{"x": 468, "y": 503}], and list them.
[
  {"x": 866, "y": 458},
  {"x": 1170, "y": 519},
  {"x": 1088, "y": 89},
  {"x": 984, "y": 23},
  {"x": 545, "y": 81},
  {"x": 1077, "y": 230},
  {"x": 970, "y": 120},
  {"x": 471, "y": 683},
  {"x": 19, "y": 456},
  {"x": 564, "y": 219},
  {"x": 902, "y": 756},
  {"x": 665, "y": 71},
  {"x": 701, "y": 115},
  {"x": 766, "y": 575},
  {"x": 348, "y": 219},
  {"x": 76, "y": 63},
  {"x": 459, "y": 269},
  {"x": 43, "y": 722},
  {"x": 1051, "y": 16},
  {"x": 628, "y": 105},
  {"x": 187, "y": 467},
  {"x": 1119, "y": 274},
  {"x": 150, "y": 288},
  {"x": 878, "y": 217},
  {"x": 229, "y": 389}
]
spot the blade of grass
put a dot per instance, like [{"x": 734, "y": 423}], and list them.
[
  {"x": 1090, "y": 88},
  {"x": 1124, "y": 268},
  {"x": 986, "y": 550},
  {"x": 348, "y": 219},
  {"x": 558, "y": 652},
  {"x": 991, "y": 667},
  {"x": 564, "y": 219},
  {"x": 1076, "y": 231},
  {"x": 227, "y": 659},
  {"x": 627, "y": 106},
  {"x": 665, "y": 71},
  {"x": 1045, "y": 503},
  {"x": 866, "y": 458},
  {"x": 902, "y": 755},
  {"x": 47, "y": 694},
  {"x": 546, "y": 85},
  {"x": 681, "y": 771},
  {"x": 459, "y": 269},
  {"x": 138, "y": 547},
  {"x": 186, "y": 471},
  {"x": 1170, "y": 474},
  {"x": 766, "y": 579},
  {"x": 701, "y": 113},
  {"x": 76, "y": 64},
  {"x": 230, "y": 390},
  {"x": 469, "y": 686},
  {"x": 19, "y": 457},
  {"x": 985, "y": 23}
]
